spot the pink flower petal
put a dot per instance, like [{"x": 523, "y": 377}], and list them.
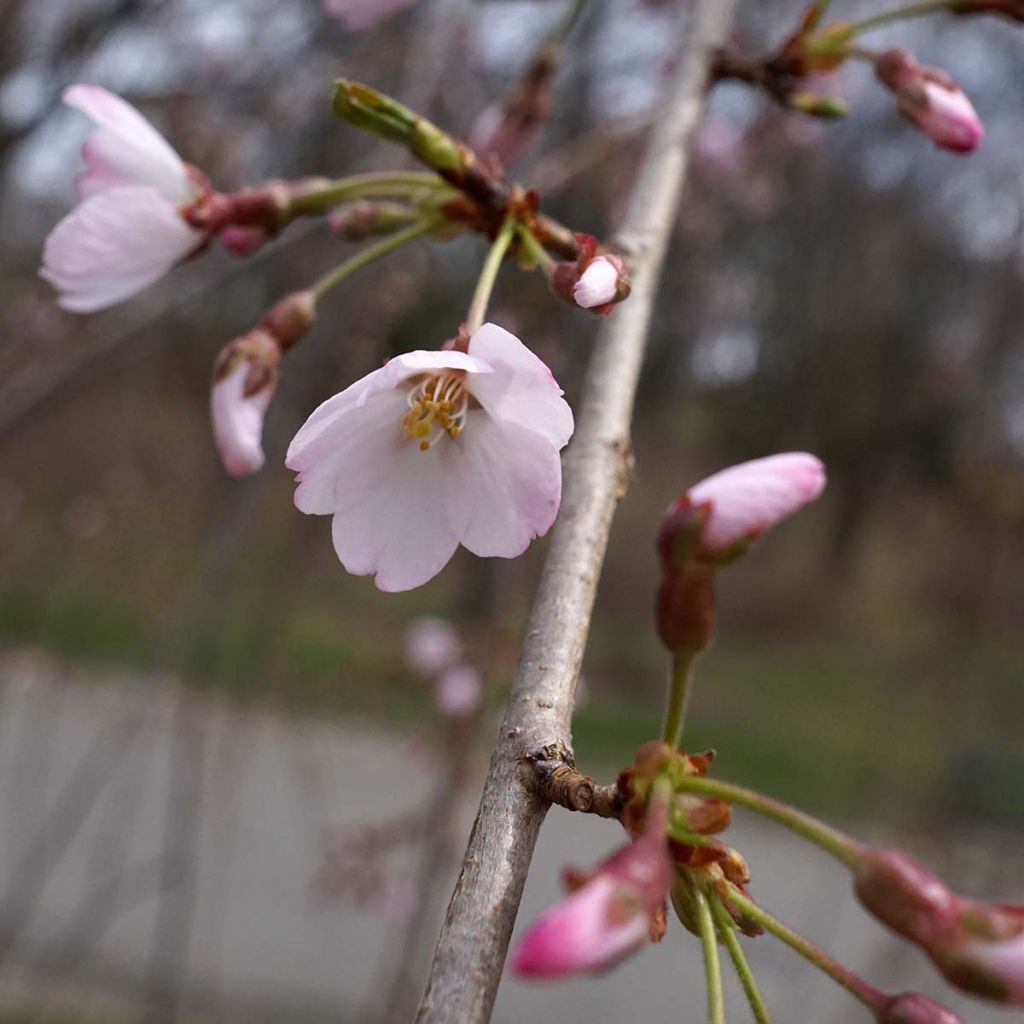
[
  {"x": 238, "y": 422},
  {"x": 522, "y": 390},
  {"x": 515, "y": 481},
  {"x": 126, "y": 149},
  {"x": 113, "y": 245},
  {"x": 746, "y": 499}
]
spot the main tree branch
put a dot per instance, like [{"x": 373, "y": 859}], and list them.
[{"x": 537, "y": 725}]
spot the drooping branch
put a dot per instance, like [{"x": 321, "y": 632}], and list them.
[{"x": 471, "y": 950}]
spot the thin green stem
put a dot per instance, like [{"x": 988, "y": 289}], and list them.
[
  {"x": 916, "y": 10},
  {"x": 384, "y": 185},
  {"x": 488, "y": 275},
  {"x": 727, "y": 931},
  {"x": 712, "y": 968},
  {"x": 536, "y": 251},
  {"x": 843, "y": 847},
  {"x": 374, "y": 252},
  {"x": 860, "y": 989},
  {"x": 678, "y": 695}
]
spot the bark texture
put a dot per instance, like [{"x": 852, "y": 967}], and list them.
[{"x": 471, "y": 949}]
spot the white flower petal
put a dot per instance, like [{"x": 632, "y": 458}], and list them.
[
  {"x": 515, "y": 477},
  {"x": 597, "y": 284},
  {"x": 238, "y": 422},
  {"x": 317, "y": 434},
  {"x": 126, "y": 149},
  {"x": 406, "y": 528},
  {"x": 113, "y": 245},
  {"x": 521, "y": 390}
]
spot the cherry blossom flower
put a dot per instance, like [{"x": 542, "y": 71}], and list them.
[
  {"x": 128, "y": 229},
  {"x": 607, "y": 918},
  {"x": 929, "y": 98},
  {"x": 745, "y": 500},
  {"x": 914, "y": 1008},
  {"x": 238, "y": 421},
  {"x": 433, "y": 450}
]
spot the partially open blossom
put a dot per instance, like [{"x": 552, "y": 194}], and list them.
[
  {"x": 711, "y": 524},
  {"x": 915, "y": 1008},
  {"x": 128, "y": 230},
  {"x": 457, "y": 691},
  {"x": 608, "y": 917},
  {"x": 743, "y": 501},
  {"x": 431, "y": 645},
  {"x": 245, "y": 377},
  {"x": 597, "y": 284},
  {"x": 929, "y": 98},
  {"x": 596, "y": 281},
  {"x": 433, "y": 450}
]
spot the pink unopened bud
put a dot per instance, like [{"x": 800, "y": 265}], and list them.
[
  {"x": 597, "y": 284},
  {"x": 929, "y": 98},
  {"x": 986, "y": 957},
  {"x": 431, "y": 645},
  {"x": 243, "y": 239},
  {"x": 244, "y": 383},
  {"x": 904, "y": 895},
  {"x": 914, "y": 1008},
  {"x": 743, "y": 501},
  {"x": 608, "y": 917},
  {"x": 457, "y": 691}
]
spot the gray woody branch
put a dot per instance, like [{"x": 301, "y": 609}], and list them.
[{"x": 471, "y": 950}]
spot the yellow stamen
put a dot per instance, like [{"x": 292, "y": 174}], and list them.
[{"x": 437, "y": 406}]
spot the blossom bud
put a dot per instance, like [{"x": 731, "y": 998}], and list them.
[
  {"x": 929, "y": 98},
  {"x": 244, "y": 380},
  {"x": 609, "y": 916},
  {"x": 243, "y": 239},
  {"x": 986, "y": 956},
  {"x": 291, "y": 317},
  {"x": 457, "y": 691},
  {"x": 596, "y": 281},
  {"x": 914, "y": 1008},
  {"x": 904, "y": 895},
  {"x": 714, "y": 523},
  {"x": 366, "y": 219}
]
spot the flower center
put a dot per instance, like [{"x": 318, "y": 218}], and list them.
[{"x": 437, "y": 406}]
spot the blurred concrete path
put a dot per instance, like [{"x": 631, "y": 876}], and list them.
[{"x": 80, "y": 881}]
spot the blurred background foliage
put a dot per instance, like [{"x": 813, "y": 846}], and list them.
[{"x": 843, "y": 288}]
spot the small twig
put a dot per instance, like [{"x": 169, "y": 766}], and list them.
[{"x": 560, "y": 783}]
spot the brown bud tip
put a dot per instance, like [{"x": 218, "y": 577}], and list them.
[
  {"x": 905, "y": 895},
  {"x": 291, "y": 317},
  {"x": 914, "y": 1008}
]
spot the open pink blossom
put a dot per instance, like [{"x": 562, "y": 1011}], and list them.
[
  {"x": 238, "y": 421},
  {"x": 607, "y": 918},
  {"x": 433, "y": 450},
  {"x": 128, "y": 230},
  {"x": 745, "y": 500},
  {"x": 597, "y": 284}
]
